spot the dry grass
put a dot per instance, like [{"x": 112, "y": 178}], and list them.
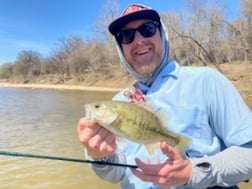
[{"x": 241, "y": 76}]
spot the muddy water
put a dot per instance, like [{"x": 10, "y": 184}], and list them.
[{"x": 44, "y": 122}]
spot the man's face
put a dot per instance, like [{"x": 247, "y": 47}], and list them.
[{"x": 143, "y": 53}]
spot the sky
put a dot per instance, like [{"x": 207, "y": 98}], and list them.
[{"x": 38, "y": 25}]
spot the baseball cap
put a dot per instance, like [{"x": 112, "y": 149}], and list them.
[{"x": 133, "y": 12}]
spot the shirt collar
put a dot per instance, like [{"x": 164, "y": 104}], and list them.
[{"x": 170, "y": 70}]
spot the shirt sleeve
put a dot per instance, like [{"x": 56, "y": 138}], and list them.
[
  {"x": 227, "y": 168},
  {"x": 229, "y": 116},
  {"x": 231, "y": 120},
  {"x": 112, "y": 174}
]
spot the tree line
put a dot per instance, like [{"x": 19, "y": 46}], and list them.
[{"x": 201, "y": 34}]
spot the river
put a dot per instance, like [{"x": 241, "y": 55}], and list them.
[
  {"x": 43, "y": 121},
  {"x": 40, "y": 121}
]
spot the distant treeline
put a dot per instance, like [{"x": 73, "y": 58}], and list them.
[{"x": 202, "y": 34}]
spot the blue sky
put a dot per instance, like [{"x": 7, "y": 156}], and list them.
[{"x": 38, "y": 25}]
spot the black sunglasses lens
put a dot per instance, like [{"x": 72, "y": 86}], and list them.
[
  {"x": 127, "y": 36},
  {"x": 147, "y": 29}
]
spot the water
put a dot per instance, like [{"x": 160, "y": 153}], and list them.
[
  {"x": 40, "y": 121},
  {"x": 44, "y": 122}
]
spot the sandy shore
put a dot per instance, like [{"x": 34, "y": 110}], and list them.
[{"x": 61, "y": 87}]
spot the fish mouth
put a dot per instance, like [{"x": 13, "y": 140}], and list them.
[{"x": 88, "y": 112}]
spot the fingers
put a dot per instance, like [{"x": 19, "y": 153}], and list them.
[
  {"x": 86, "y": 130},
  {"x": 149, "y": 173},
  {"x": 103, "y": 140},
  {"x": 147, "y": 178},
  {"x": 98, "y": 141},
  {"x": 147, "y": 168},
  {"x": 169, "y": 151},
  {"x": 172, "y": 172}
]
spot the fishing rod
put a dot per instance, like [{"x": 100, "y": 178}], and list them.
[{"x": 8, "y": 153}]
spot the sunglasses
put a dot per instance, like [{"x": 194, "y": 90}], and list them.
[{"x": 147, "y": 29}]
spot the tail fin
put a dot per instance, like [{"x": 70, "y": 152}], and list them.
[{"x": 184, "y": 143}]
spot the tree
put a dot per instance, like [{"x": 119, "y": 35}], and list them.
[
  {"x": 108, "y": 13},
  {"x": 247, "y": 14},
  {"x": 197, "y": 33},
  {"x": 28, "y": 64},
  {"x": 6, "y": 71}
]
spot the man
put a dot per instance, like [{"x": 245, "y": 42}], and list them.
[{"x": 200, "y": 103}]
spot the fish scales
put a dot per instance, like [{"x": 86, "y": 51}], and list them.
[
  {"x": 136, "y": 123},
  {"x": 141, "y": 121}
]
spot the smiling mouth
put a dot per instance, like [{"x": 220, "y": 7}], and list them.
[{"x": 142, "y": 52}]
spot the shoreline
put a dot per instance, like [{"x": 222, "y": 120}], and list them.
[{"x": 61, "y": 87}]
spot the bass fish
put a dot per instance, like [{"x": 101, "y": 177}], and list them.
[{"x": 135, "y": 122}]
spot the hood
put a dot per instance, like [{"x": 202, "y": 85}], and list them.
[{"x": 148, "y": 79}]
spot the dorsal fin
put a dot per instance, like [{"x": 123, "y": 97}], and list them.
[
  {"x": 162, "y": 115},
  {"x": 145, "y": 106}
]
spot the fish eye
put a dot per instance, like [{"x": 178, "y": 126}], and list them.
[{"x": 97, "y": 106}]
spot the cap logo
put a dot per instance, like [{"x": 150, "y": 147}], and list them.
[
  {"x": 133, "y": 12},
  {"x": 133, "y": 8}
]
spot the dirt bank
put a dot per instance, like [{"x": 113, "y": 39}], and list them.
[{"x": 240, "y": 74}]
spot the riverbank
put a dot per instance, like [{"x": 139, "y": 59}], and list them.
[
  {"x": 61, "y": 87},
  {"x": 240, "y": 74}
]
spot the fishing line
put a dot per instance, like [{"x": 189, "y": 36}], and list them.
[{"x": 8, "y": 153}]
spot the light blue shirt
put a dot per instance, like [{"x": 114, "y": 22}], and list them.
[{"x": 201, "y": 104}]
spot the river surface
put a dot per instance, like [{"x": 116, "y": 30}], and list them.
[{"x": 42, "y": 121}]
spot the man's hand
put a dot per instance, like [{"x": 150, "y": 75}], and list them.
[
  {"x": 98, "y": 141},
  {"x": 175, "y": 171}
]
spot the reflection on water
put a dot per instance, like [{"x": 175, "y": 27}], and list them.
[{"x": 40, "y": 121}]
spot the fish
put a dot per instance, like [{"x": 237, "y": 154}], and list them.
[{"x": 136, "y": 122}]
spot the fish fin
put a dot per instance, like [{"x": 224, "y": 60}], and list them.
[
  {"x": 144, "y": 105},
  {"x": 152, "y": 148},
  {"x": 184, "y": 143}
]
